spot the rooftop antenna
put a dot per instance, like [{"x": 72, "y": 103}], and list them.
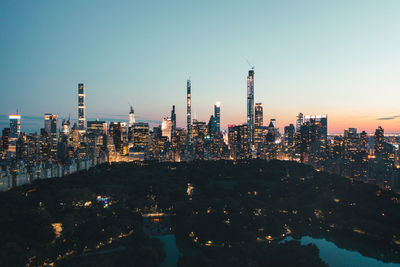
[{"x": 251, "y": 66}]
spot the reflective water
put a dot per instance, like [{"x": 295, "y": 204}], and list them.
[
  {"x": 339, "y": 257},
  {"x": 171, "y": 250}
]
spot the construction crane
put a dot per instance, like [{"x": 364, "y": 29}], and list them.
[{"x": 251, "y": 66}]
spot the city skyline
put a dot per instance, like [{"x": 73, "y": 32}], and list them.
[{"x": 344, "y": 67}]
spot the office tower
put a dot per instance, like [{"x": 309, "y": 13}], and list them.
[
  {"x": 81, "y": 107},
  {"x": 258, "y": 126},
  {"x": 50, "y": 122},
  {"x": 132, "y": 118},
  {"x": 66, "y": 127},
  {"x": 97, "y": 127},
  {"x": 314, "y": 137},
  {"x": 5, "y": 141},
  {"x": 50, "y": 126},
  {"x": 15, "y": 125},
  {"x": 378, "y": 141},
  {"x": 299, "y": 121},
  {"x": 166, "y": 128},
  {"x": 363, "y": 141},
  {"x": 140, "y": 149},
  {"x": 116, "y": 134},
  {"x": 141, "y": 135},
  {"x": 188, "y": 107},
  {"x": 258, "y": 115},
  {"x": 250, "y": 107},
  {"x": 350, "y": 144},
  {"x": 232, "y": 141},
  {"x": 212, "y": 126},
  {"x": 289, "y": 135},
  {"x": 173, "y": 120},
  {"x": 217, "y": 117}
]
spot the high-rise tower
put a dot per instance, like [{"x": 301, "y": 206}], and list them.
[
  {"x": 15, "y": 125},
  {"x": 132, "y": 119},
  {"x": 50, "y": 126},
  {"x": 188, "y": 106},
  {"x": 173, "y": 120},
  {"x": 250, "y": 107},
  {"x": 217, "y": 116},
  {"x": 81, "y": 107},
  {"x": 15, "y": 129},
  {"x": 258, "y": 126}
]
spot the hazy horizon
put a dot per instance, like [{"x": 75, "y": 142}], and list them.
[{"x": 337, "y": 58}]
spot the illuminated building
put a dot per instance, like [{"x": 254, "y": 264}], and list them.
[
  {"x": 378, "y": 141},
  {"x": 15, "y": 130},
  {"x": 141, "y": 135},
  {"x": 289, "y": 136},
  {"x": 350, "y": 144},
  {"x": 173, "y": 120},
  {"x": 258, "y": 127},
  {"x": 132, "y": 118},
  {"x": 217, "y": 117},
  {"x": 66, "y": 127},
  {"x": 97, "y": 127},
  {"x": 50, "y": 126},
  {"x": 270, "y": 146},
  {"x": 238, "y": 142},
  {"x": 188, "y": 106},
  {"x": 140, "y": 141},
  {"x": 299, "y": 121},
  {"x": 166, "y": 128},
  {"x": 232, "y": 141},
  {"x": 5, "y": 141},
  {"x": 363, "y": 141},
  {"x": 250, "y": 107},
  {"x": 81, "y": 107},
  {"x": 314, "y": 138},
  {"x": 116, "y": 134},
  {"x": 15, "y": 125}
]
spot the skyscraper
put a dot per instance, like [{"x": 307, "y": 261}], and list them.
[
  {"x": 173, "y": 120},
  {"x": 258, "y": 128},
  {"x": 81, "y": 107},
  {"x": 166, "y": 128},
  {"x": 15, "y": 130},
  {"x": 299, "y": 121},
  {"x": 250, "y": 107},
  {"x": 188, "y": 106},
  {"x": 50, "y": 126},
  {"x": 132, "y": 119},
  {"x": 217, "y": 117},
  {"x": 50, "y": 122},
  {"x": 15, "y": 125},
  {"x": 378, "y": 141}
]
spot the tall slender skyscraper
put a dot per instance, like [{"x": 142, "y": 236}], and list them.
[
  {"x": 15, "y": 129},
  {"x": 81, "y": 107},
  {"x": 132, "y": 119},
  {"x": 299, "y": 121},
  {"x": 217, "y": 116},
  {"x": 258, "y": 127},
  {"x": 173, "y": 120},
  {"x": 250, "y": 107},
  {"x": 188, "y": 106}
]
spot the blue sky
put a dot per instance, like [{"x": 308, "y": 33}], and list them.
[{"x": 341, "y": 58}]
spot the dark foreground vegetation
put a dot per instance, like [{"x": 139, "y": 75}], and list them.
[{"x": 223, "y": 214}]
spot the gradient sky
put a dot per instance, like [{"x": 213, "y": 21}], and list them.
[{"x": 340, "y": 58}]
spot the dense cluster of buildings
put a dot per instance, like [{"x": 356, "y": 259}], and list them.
[{"x": 61, "y": 148}]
